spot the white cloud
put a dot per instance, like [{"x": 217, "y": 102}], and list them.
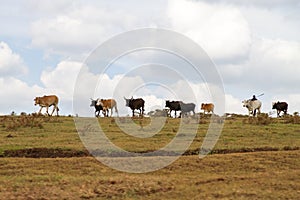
[
  {"x": 17, "y": 95},
  {"x": 220, "y": 29},
  {"x": 11, "y": 64},
  {"x": 269, "y": 23},
  {"x": 259, "y": 3},
  {"x": 272, "y": 66},
  {"x": 234, "y": 105},
  {"x": 62, "y": 78},
  {"x": 80, "y": 29}
]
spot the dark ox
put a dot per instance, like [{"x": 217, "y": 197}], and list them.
[
  {"x": 47, "y": 101},
  {"x": 186, "y": 108},
  {"x": 98, "y": 108},
  {"x": 173, "y": 105},
  {"x": 280, "y": 106},
  {"x": 135, "y": 104}
]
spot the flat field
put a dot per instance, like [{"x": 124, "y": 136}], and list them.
[{"x": 44, "y": 158}]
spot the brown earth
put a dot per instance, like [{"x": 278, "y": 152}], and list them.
[{"x": 68, "y": 153}]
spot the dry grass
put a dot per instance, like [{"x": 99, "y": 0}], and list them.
[
  {"x": 268, "y": 175},
  {"x": 271, "y": 173}
]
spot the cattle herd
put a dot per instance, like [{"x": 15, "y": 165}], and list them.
[{"x": 106, "y": 105}]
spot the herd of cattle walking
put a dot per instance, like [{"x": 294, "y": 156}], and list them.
[{"x": 106, "y": 105}]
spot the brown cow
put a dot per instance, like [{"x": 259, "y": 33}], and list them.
[
  {"x": 108, "y": 104},
  {"x": 208, "y": 107},
  {"x": 47, "y": 101}
]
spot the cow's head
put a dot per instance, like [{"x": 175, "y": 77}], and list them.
[
  {"x": 245, "y": 103},
  {"x": 202, "y": 106},
  {"x": 36, "y": 101},
  {"x": 93, "y": 102},
  {"x": 167, "y": 103},
  {"x": 99, "y": 102},
  {"x": 274, "y": 105},
  {"x": 127, "y": 101}
]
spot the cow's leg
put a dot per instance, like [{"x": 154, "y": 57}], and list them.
[
  {"x": 47, "y": 108},
  {"x": 175, "y": 114},
  {"x": 132, "y": 112},
  {"x": 111, "y": 112},
  {"x": 40, "y": 110},
  {"x": 116, "y": 110},
  {"x": 53, "y": 109},
  {"x": 256, "y": 111}
]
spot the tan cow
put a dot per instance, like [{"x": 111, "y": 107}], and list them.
[
  {"x": 47, "y": 101},
  {"x": 108, "y": 104},
  {"x": 208, "y": 107}
]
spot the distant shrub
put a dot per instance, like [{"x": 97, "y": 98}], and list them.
[
  {"x": 12, "y": 123},
  {"x": 23, "y": 114},
  {"x": 233, "y": 116},
  {"x": 261, "y": 119},
  {"x": 292, "y": 119},
  {"x": 158, "y": 113}
]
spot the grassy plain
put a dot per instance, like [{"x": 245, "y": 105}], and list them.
[{"x": 271, "y": 171}]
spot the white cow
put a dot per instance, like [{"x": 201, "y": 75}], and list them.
[{"x": 252, "y": 106}]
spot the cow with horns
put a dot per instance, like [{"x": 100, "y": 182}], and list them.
[
  {"x": 135, "y": 104},
  {"x": 173, "y": 105},
  {"x": 98, "y": 108},
  {"x": 253, "y": 106},
  {"x": 280, "y": 106}
]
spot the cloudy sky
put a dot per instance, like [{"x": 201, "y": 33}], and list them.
[{"x": 254, "y": 44}]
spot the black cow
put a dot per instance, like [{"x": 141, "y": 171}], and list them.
[
  {"x": 98, "y": 108},
  {"x": 135, "y": 104},
  {"x": 186, "y": 108},
  {"x": 280, "y": 106},
  {"x": 173, "y": 105}
]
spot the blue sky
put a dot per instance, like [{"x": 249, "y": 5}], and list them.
[{"x": 255, "y": 45}]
